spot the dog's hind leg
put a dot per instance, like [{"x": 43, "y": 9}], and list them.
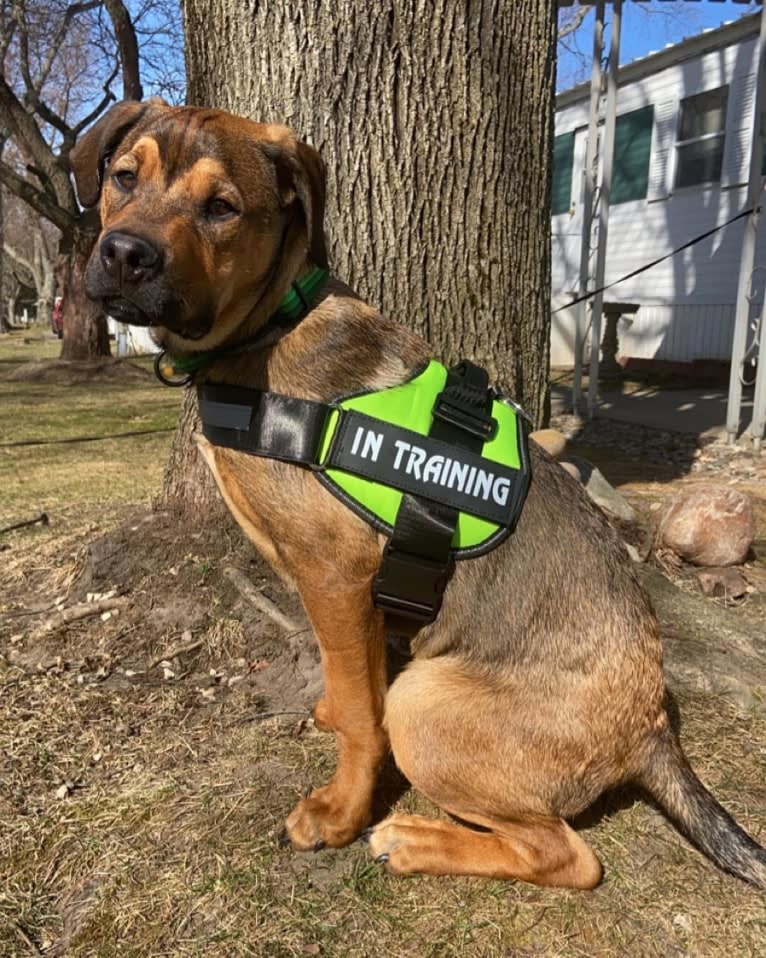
[
  {"x": 351, "y": 643},
  {"x": 453, "y": 734}
]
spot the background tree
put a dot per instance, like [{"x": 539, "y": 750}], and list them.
[
  {"x": 30, "y": 246},
  {"x": 435, "y": 121},
  {"x": 60, "y": 64},
  {"x": 5, "y": 323}
]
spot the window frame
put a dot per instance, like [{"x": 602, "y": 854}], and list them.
[{"x": 704, "y": 137}]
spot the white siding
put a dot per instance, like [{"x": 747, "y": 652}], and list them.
[
  {"x": 687, "y": 301},
  {"x": 139, "y": 340},
  {"x": 679, "y": 333}
]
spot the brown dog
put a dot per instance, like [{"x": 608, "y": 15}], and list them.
[{"x": 540, "y": 684}]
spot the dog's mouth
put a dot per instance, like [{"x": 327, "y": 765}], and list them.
[{"x": 126, "y": 312}]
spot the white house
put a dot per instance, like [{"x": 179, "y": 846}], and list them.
[
  {"x": 682, "y": 147},
  {"x": 131, "y": 340}
]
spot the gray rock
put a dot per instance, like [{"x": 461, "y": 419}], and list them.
[{"x": 600, "y": 491}]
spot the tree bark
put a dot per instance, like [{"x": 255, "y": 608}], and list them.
[
  {"x": 85, "y": 331},
  {"x": 435, "y": 120}
]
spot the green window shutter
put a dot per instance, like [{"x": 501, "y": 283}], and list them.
[
  {"x": 632, "y": 147},
  {"x": 563, "y": 161}
]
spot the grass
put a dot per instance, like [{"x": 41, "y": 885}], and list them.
[
  {"x": 139, "y": 818},
  {"x": 65, "y": 478},
  {"x": 22, "y": 345}
]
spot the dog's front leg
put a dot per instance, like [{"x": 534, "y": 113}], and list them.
[{"x": 352, "y": 646}]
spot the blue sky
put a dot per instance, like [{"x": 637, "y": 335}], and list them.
[{"x": 646, "y": 27}]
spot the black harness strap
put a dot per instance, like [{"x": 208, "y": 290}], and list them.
[
  {"x": 417, "y": 561},
  {"x": 261, "y": 423}
]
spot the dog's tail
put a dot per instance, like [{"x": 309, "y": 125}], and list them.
[{"x": 670, "y": 780}]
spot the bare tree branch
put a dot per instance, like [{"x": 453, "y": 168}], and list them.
[
  {"x": 18, "y": 258},
  {"x": 573, "y": 22},
  {"x": 21, "y": 125},
  {"x": 39, "y": 201},
  {"x": 56, "y": 41},
  {"x": 128, "y": 49},
  {"x": 97, "y": 110}
]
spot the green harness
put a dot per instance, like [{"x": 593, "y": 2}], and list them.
[
  {"x": 439, "y": 464},
  {"x": 376, "y": 466}
]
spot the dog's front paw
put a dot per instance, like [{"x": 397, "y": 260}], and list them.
[{"x": 323, "y": 820}]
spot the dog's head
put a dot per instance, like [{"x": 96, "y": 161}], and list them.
[{"x": 206, "y": 217}]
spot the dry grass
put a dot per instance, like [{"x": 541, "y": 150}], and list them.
[
  {"x": 167, "y": 845},
  {"x": 139, "y": 813}
]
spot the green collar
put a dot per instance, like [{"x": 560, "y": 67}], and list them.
[{"x": 294, "y": 306}]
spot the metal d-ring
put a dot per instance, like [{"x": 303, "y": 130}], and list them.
[{"x": 167, "y": 378}]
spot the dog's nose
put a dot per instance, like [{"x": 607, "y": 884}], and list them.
[{"x": 129, "y": 258}]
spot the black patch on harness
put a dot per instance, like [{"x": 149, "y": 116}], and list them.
[{"x": 427, "y": 467}]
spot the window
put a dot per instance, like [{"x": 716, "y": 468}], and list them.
[
  {"x": 563, "y": 161},
  {"x": 632, "y": 146},
  {"x": 699, "y": 147}
]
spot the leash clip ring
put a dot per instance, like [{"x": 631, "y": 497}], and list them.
[{"x": 160, "y": 365}]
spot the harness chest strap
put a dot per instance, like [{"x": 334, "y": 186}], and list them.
[{"x": 438, "y": 464}]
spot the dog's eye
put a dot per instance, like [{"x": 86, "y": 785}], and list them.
[
  {"x": 219, "y": 209},
  {"x": 125, "y": 180}
]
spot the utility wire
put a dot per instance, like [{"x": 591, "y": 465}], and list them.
[
  {"x": 114, "y": 435},
  {"x": 642, "y": 269}
]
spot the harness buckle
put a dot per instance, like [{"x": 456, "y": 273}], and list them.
[
  {"x": 410, "y": 586},
  {"x": 468, "y": 418}
]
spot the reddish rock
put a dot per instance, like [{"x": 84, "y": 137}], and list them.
[
  {"x": 552, "y": 441},
  {"x": 709, "y": 525}
]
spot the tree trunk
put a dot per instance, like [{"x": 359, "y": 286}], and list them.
[
  {"x": 435, "y": 120},
  {"x": 188, "y": 486},
  {"x": 85, "y": 330},
  {"x": 45, "y": 277}
]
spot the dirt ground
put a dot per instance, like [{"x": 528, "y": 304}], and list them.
[{"x": 149, "y": 752}]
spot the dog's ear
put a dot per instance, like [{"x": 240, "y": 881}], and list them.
[
  {"x": 301, "y": 175},
  {"x": 311, "y": 187},
  {"x": 91, "y": 152}
]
